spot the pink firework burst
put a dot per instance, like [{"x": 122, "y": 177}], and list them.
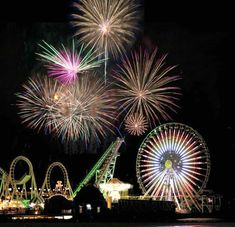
[
  {"x": 65, "y": 66},
  {"x": 65, "y": 63}
]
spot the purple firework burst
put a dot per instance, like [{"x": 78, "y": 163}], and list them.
[{"x": 65, "y": 66}]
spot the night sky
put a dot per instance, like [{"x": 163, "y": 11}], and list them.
[{"x": 203, "y": 50}]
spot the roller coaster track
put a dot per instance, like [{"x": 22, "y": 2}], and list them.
[
  {"x": 3, "y": 179},
  {"x": 28, "y": 177},
  {"x": 104, "y": 164},
  {"x": 67, "y": 192}
]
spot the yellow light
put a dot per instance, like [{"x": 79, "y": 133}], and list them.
[{"x": 168, "y": 164}]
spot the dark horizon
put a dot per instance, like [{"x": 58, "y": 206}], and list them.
[{"x": 204, "y": 56}]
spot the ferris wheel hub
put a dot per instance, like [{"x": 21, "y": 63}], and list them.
[{"x": 168, "y": 164}]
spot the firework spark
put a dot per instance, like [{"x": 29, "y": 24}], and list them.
[
  {"x": 136, "y": 124},
  {"x": 144, "y": 86},
  {"x": 65, "y": 63},
  {"x": 38, "y": 101},
  {"x": 110, "y": 24},
  {"x": 76, "y": 111}
]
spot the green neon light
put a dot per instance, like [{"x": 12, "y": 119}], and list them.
[{"x": 96, "y": 167}]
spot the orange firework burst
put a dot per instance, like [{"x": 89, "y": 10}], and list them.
[
  {"x": 136, "y": 124},
  {"x": 145, "y": 86}
]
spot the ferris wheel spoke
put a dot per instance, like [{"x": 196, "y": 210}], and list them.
[
  {"x": 193, "y": 197},
  {"x": 188, "y": 149},
  {"x": 151, "y": 158},
  {"x": 149, "y": 166},
  {"x": 173, "y": 140},
  {"x": 185, "y": 156},
  {"x": 190, "y": 194},
  {"x": 183, "y": 148},
  {"x": 169, "y": 139},
  {"x": 151, "y": 178},
  {"x": 147, "y": 173},
  {"x": 151, "y": 147},
  {"x": 182, "y": 190},
  {"x": 195, "y": 158},
  {"x": 194, "y": 172},
  {"x": 179, "y": 193},
  {"x": 157, "y": 148},
  {"x": 162, "y": 192},
  {"x": 152, "y": 154},
  {"x": 153, "y": 174},
  {"x": 150, "y": 174},
  {"x": 159, "y": 188},
  {"x": 189, "y": 176},
  {"x": 191, "y": 151},
  {"x": 166, "y": 139},
  {"x": 158, "y": 185},
  {"x": 193, "y": 163},
  {"x": 176, "y": 193},
  {"x": 155, "y": 181},
  {"x": 160, "y": 142},
  {"x": 179, "y": 142},
  {"x": 185, "y": 182},
  {"x": 176, "y": 139},
  {"x": 196, "y": 167}
]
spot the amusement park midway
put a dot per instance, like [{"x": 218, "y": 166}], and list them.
[{"x": 108, "y": 115}]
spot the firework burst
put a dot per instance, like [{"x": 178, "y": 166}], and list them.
[
  {"x": 136, "y": 124},
  {"x": 89, "y": 112},
  {"x": 66, "y": 63},
  {"x": 38, "y": 102},
  {"x": 144, "y": 86},
  {"x": 109, "y": 24},
  {"x": 76, "y": 111}
]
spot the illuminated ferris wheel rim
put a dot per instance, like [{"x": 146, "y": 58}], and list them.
[{"x": 165, "y": 153}]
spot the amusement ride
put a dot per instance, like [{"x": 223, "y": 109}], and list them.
[{"x": 172, "y": 164}]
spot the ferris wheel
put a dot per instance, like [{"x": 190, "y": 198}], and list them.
[{"x": 173, "y": 164}]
